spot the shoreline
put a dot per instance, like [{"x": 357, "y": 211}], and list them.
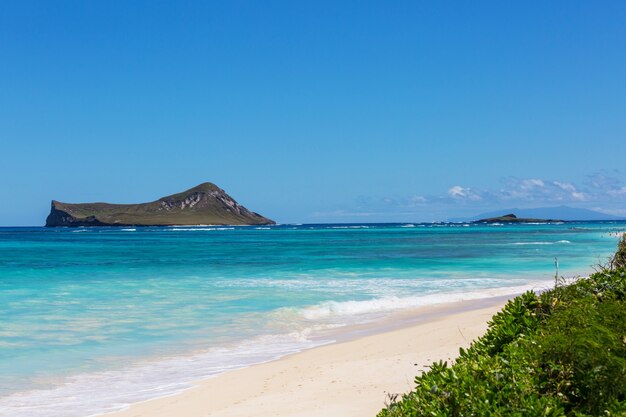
[
  {"x": 351, "y": 376},
  {"x": 170, "y": 376}
]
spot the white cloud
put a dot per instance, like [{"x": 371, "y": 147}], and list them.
[
  {"x": 531, "y": 183},
  {"x": 600, "y": 181},
  {"x": 546, "y": 191},
  {"x": 523, "y": 189},
  {"x": 566, "y": 186},
  {"x": 459, "y": 192},
  {"x": 417, "y": 199},
  {"x": 541, "y": 191},
  {"x": 571, "y": 189},
  {"x": 598, "y": 190},
  {"x": 614, "y": 211},
  {"x": 621, "y": 191}
]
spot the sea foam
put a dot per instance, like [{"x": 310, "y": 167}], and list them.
[
  {"x": 540, "y": 243},
  {"x": 387, "y": 304},
  {"x": 94, "y": 393},
  {"x": 167, "y": 376}
]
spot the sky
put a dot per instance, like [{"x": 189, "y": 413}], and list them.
[{"x": 314, "y": 111}]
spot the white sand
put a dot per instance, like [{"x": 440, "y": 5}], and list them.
[{"x": 346, "y": 379}]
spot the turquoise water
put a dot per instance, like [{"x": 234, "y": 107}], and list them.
[{"x": 140, "y": 312}]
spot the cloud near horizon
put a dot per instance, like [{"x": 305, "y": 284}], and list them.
[
  {"x": 465, "y": 193},
  {"x": 597, "y": 188},
  {"x": 600, "y": 192}
]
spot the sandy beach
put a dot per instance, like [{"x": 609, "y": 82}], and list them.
[{"x": 348, "y": 378}]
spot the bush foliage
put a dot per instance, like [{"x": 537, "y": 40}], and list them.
[
  {"x": 558, "y": 353},
  {"x": 619, "y": 259}
]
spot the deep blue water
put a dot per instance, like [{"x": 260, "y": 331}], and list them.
[{"x": 139, "y": 312}]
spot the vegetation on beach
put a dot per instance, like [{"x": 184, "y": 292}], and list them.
[
  {"x": 558, "y": 353},
  {"x": 619, "y": 259}
]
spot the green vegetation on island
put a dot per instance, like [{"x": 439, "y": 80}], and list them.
[
  {"x": 558, "y": 353},
  {"x": 203, "y": 204},
  {"x": 512, "y": 218}
]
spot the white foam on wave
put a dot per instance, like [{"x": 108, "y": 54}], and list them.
[
  {"x": 410, "y": 225},
  {"x": 540, "y": 243},
  {"x": 128, "y": 230},
  {"x": 352, "y": 283},
  {"x": 387, "y": 304},
  {"x": 119, "y": 388},
  {"x": 197, "y": 229},
  {"x": 350, "y": 227},
  {"x": 614, "y": 234}
]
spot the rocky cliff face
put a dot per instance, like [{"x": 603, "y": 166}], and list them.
[
  {"x": 59, "y": 216},
  {"x": 204, "y": 204}
]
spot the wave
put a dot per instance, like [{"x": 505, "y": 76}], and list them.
[
  {"x": 540, "y": 243},
  {"x": 147, "y": 380},
  {"x": 197, "y": 229},
  {"x": 117, "y": 389},
  {"x": 539, "y": 223},
  {"x": 387, "y": 304},
  {"x": 350, "y": 284}
]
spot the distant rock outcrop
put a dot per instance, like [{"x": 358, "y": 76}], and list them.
[
  {"x": 512, "y": 218},
  {"x": 204, "y": 204},
  {"x": 564, "y": 213}
]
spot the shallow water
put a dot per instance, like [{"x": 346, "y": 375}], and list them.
[{"x": 139, "y": 312}]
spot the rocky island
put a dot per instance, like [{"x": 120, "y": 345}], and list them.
[
  {"x": 200, "y": 205},
  {"x": 512, "y": 218}
]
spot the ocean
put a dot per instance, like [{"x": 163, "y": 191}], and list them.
[{"x": 137, "y": 313}]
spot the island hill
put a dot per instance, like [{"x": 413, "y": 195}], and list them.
[
  {"x": 512, "y": 218},
  {"x": 200, "y": 205}
]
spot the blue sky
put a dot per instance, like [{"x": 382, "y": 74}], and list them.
[{"x": 315, "y": 111}]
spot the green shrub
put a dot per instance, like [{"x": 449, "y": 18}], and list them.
[
  {"x": 619, "y": 259},
  {"x": 582, "y": 354},
  {"x": 559, "y": 353}
]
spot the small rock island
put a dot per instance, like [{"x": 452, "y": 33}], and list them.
[
  {"x": 200, "y": 205},
  {"x": 512, "y": 218}
]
